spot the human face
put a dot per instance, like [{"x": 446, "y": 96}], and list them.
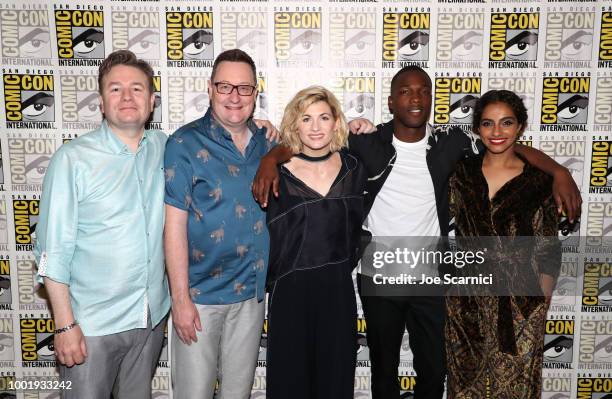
[
  {"x": 126, "y": 99},
  {"x": 232, "y": 110},
  {"x": 499, "y": 128},
  {"x": 410, "y": 99},
  {"x": 316, "y": 128}
]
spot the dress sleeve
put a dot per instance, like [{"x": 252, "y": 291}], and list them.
[
  {"x": 548, "y": 246},
  {"x": 56, "y": 230}
]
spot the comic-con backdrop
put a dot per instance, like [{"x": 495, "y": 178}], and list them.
[{"x": 557, "y": 55}]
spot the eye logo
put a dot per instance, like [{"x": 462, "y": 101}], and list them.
[
  {"x": 5, "y": 285},
  {"x": 189, "y": 36},
  {"x": 559, "y": 341},
  {"x": 37, "y": 342},
  {"x": 406, "y": 37},
  {"x": 564, "y": 102},
  {"x": 29, "y": 100},
  {"x": 80, "y": 36},
  {"x": 597, "y": 286},
  {"x": 455, "y": 99},
  {"x": 246, "y": 31},
  {"x": 514, "y": 37},
  {"x": 297, "y": 37},
  {"x": 138, "y": 32},
  {"x": 460, "y": 36},
  {"x": 569, "y": 36},
  {"x": 25, "y": 34}
]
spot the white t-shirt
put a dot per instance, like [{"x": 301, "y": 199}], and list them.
[{"x": 406, "y": 203}]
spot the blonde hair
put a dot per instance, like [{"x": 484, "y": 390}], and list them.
[{"x": 289, "y": 132}]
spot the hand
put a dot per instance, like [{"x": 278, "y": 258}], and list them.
[
  {"x": 70, "y": 347},
  {"x": 566, "y": 195},
  {"x": 185, "y": 317},
  {"x": 361, "y": 125},
  {"x": 265, "y": 178},
  {"x": 272, "y": 134}
]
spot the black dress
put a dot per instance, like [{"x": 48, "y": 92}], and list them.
[{"x": 312, "y": 316}]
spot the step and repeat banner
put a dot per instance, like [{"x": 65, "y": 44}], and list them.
[{"x": 557, "y": 55}]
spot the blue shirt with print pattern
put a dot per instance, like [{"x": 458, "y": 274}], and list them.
[{"x": 228, "y": 243}]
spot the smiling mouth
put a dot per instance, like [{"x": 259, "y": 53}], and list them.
[{"x": 498, "y": 141}]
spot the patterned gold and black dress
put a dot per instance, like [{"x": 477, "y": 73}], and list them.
[{"x": 494, "y": 344}]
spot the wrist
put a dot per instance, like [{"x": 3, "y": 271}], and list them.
[{"x": 66, "y": 327}]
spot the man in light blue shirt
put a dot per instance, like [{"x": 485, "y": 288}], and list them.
[{"x": 100, "y": 247}]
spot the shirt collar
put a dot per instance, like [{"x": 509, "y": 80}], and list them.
[
  {"x": 114, "y": 144},
  {"x": 216, "y": 130}
]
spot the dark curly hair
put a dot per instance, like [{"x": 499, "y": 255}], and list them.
[{"x": 500, "y": 96}]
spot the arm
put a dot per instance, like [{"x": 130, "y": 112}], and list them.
[
  {"x": 70, "y": 346},
  {"x": 565, "y": 191},
  {"x": 361, "y": 125},
  {"x": 548, "y": 247},
  {"x": 272, "y": 134},
  {"x": 55, "y": 244},
  {"x": 267, "y": 173},
  {"x": 184, "y": 313}
]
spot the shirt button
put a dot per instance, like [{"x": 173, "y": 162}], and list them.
[
  {"x": 147, "y": 233},
  {"x": 149, "y": 261}
]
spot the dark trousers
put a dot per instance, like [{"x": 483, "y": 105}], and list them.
[
  {"x": 386, "y": 319},
  {"x": 312, "y": 327}
]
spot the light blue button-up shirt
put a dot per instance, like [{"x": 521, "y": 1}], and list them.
[{"x": 100, "y": 230}]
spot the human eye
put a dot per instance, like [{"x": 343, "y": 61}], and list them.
[
  {"x": 197, "y": 43},
  {"x": 486, "y": 123},
  {"x": 88, "y": 41},
  {"x": 36, "y": 105},
  {"x": 413, "y": 43},
  {"x": 521, "y": 43},
  {"x": 572, "y": 107},
  {"x": 245, "y": 90}
]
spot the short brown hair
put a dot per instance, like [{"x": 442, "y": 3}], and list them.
[
  {"x": 297, "y": 106},
  {"x": 124, "y": 57},
  {"x": 234, "y": 55}
]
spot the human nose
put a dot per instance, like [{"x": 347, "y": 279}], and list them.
[
  {"x": 126, "y": 95},
  {"x": 234, "y": 96}
]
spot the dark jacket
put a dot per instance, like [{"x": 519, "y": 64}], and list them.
[{"x": 445, "y": 147}]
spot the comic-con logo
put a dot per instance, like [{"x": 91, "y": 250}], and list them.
[
  {"x": 460, "y": 39},
  {"x": 569, "y": 37},
  {"x": 361, "y": 344},
  {"x": 564, "y": 294},
  {"x": 601, "y": 167},
  {"x": 7, "y": 352},
  {"x": 558, "y": 344},
  {"x": 3, "y": 226},
  {"x": 602, "y": 120},
  {"x": 297, "y": 38},
  {"x": 605, "y": 40},
  {"x": 160, "y": 386},
  {"x": 80, "y": 37},
  {"x": 156, "y": 116},
  {"x": 405, "y": 39},
  {"x": 187, "y": 99},
  {"x": 357, "y": 95},
  {"x": 599, "y": 225},
  {"x": 37, "y": 342},
  {"x": 25, "y": 213},
  {"x": 137, "y": 31},
  {"x": 595, "y": 342},
  {"x": 352, "y": 38},
  {"x": 407, "y": 383},
  {"x": 246, "y": 31},
  {"x": 597, "y": 287},
  {"x": 593, "y": 388},
  {"x": 565, "y": 102},
  {"x": 28, "y": 161},
  {"x": 455, "y": 99},
  {"x": 569, "y": 153},
  {"x": 263, "y": 345},
  {"x": 521, "y": 84},
  {"x": 32, "y": 295},
  {"x": 29, "y": 101},
  {"x": 25, "y": 35},
  {"x": 80, "y": 102},
  {"x": 263, "y": 105},
  {"x": 5, "y": 284},
  {"x": 514, "y": 40},
  {"x": 7, "y": 385},
  {"x": 189, "y": 38},
  {"x": 556, "y": 387},
  {"x": 1, "y": 177}
]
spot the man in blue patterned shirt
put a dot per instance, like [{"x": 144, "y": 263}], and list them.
[{"x": 216, "y": 240}]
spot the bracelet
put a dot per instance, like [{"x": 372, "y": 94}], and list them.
[{"x": 66, "y": 328}]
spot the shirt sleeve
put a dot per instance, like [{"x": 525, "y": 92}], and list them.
[
  {"x": 57, "y": 226},
  {"x": 178, "y": 173}
]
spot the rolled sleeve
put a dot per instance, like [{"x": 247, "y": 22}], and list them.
[
  {"x": 178, "y": 173},
  {"x": 56, "y": 230}
]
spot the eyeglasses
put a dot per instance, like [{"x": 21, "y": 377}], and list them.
[{"x": 228, "y": 88}]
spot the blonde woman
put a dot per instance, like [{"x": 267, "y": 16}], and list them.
[{"x": 314, "y": 227}]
